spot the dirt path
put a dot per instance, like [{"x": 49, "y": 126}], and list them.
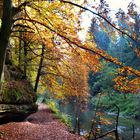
[{"x": 38, "y": 126}]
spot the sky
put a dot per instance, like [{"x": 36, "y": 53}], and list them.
[{"x": 114, "y": 6}]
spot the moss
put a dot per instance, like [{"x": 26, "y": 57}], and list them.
[
  {"x": 17, "y": 92},
  {"x": 17, "y": 98},
  {"x": 64, "y": 118},
  {"x": 52, "y": 105}
]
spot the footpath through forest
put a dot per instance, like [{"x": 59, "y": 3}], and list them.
[{"x": 41, "y": 125}]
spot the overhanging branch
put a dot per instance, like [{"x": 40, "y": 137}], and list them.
[{"x": 99, "y": 52}]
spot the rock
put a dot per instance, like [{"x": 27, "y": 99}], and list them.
[
  {"x": 13, "y": 112},
  {"x": 17, "y": 92},
  {"x": 17, "y": 98}
]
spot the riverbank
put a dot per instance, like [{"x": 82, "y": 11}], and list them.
[{"x": 41, "y": 125}]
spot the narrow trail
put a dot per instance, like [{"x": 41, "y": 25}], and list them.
[{"x": 41, "y": 125}]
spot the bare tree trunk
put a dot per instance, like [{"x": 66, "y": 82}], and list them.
[
  {"x": 133, "y": 136},
  {"x": 77, "y": 117},
  {"x": 19, "y": 51},
  {"x": 117, "y": 122},
  {"x": 39, "y": 69}
]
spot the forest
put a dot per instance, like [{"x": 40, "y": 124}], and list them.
[{"x": 69, "y": 70}]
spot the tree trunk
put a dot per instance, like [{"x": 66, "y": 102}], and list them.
[
  {"x": 25, "y": 59},
  {"x": 5, "y": 32},
  {"x": 39, "y": 69},
  {"x": 77, "y": 117},
  {"x": 19, "y": 51}
]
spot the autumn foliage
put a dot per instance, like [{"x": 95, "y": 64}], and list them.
[
  {"x": 66, "y": 60},
  {"x": 126, "y": 81}
]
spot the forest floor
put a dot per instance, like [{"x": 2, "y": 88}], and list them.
[{"x": 41, "y": 125}]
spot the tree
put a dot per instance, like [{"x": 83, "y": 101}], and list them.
[
  {"x": 38, "y": 18},
  {"x": 5, "y": 31},
  {"x": 21, "y": 27}
]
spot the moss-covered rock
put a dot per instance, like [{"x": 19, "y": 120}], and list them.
[
  {"x": 17, "y": 92},
  {"x": 17, "y": 98}
]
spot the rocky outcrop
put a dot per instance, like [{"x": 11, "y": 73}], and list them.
[
  {"x": 17, "y": 98},
  {"x": 15, "y": 112}
]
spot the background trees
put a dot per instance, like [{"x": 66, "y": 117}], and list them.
[{"x": 112, "y": 80}]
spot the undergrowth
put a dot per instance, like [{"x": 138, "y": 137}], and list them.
[{"x": 66, "y": 119}]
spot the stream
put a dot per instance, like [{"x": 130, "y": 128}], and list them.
[{"x": 125, "y": 126}]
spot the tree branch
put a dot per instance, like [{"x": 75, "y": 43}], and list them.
[
  {"x": 22, "y": 26},
  {"x": 103, "y": 135},
  {"x": 97, "y": 51},
  {"x": 22, "y": 31},
  {"x": 18, "y": 9}
]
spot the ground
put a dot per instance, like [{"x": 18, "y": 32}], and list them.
[{"x": 41, "y": 125}]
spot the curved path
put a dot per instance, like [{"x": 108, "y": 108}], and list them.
[{"x": 41, "y": 125}]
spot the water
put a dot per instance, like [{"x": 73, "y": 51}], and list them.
[{"x": 125, "y": 127}]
